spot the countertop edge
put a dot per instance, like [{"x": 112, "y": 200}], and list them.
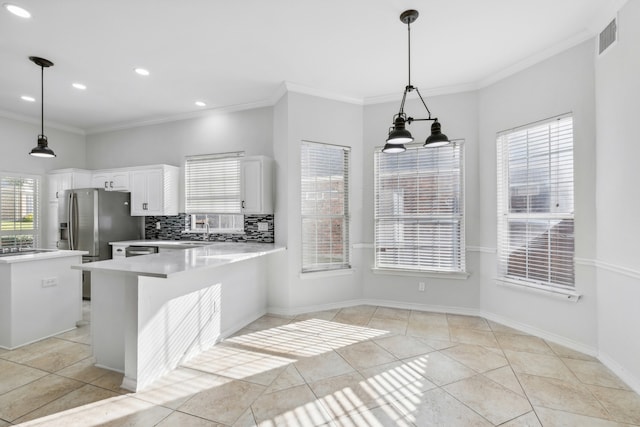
[{"x": 41, "y": 256}]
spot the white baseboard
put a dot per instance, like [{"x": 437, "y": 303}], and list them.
[
  {"x": 227, "y": 332},
  {"x": 626, "y": 376}
]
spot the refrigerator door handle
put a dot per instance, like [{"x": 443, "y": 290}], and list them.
[
  {"x": 69, "y": 219},
  {"x": 73, "y": 221}
]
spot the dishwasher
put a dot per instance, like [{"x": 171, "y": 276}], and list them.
[{"x": 140, "y": 250}]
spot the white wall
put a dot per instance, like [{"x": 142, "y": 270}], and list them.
[
  {"x": 561, "y": 84},
  {"x": 618, "y": 197},
  {"x": 458, "y": 115}
]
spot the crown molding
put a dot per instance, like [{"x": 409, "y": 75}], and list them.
[
  {"x": 31, "y": 120},
  {"x": 307, "y": 90}
]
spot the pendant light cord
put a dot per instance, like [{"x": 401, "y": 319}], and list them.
[
  {"x": 409, "y": 48},
  {"x": 42, "y": 100}
]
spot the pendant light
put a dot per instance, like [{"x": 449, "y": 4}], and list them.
[
  {"x": 398, "y": 133},
  {"x": 42, "y": 149}
]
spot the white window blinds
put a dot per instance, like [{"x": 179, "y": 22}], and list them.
[
  {"x": 535, "y": 203},
  {"x": 212, "y": 183},
  {"x": 19, "y": 210},
  {"x": 419, "y": 209},
  {"x": 324, "y": 206}
]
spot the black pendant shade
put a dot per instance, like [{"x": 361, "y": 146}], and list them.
[
  {"x": 42, "y": 149},
  {"x": 398, "y": 133}
]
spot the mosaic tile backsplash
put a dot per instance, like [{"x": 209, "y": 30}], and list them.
[{"x": 173, "y": 227}]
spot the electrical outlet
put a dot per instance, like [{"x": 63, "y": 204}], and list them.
[
  {"x": 158, "y": 227},
  {"x": 263, "y": 226},
  {"x": 49, "y": 281},
  {"x": 421, "y": 286}
]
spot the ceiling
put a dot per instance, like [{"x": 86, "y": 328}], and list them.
[{"x": 232, "y": 54}]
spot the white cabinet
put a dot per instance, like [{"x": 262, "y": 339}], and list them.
[
  {"x": 154, "y": 191},
  {"x": 66, "y": 179},
  {"x": 256, "y": 185},
  {"x": 111, "y": 180}
]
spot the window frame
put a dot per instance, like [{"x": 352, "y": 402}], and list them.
[
  {"x": 559, "y": 241},
  {"x": 456, "y": 268},
  {"x": 36, "y": 228},
  {"x": 343, "y": 217}
]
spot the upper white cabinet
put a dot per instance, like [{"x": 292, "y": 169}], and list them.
[
  {"x": 256, "y": 185},
  {"x": 154, "y": 190},
  {"x": 111, "y": 180},
  {"x": 66, "y": 179}
]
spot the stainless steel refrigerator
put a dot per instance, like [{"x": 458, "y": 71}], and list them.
[{"x": 90, "y": 218}]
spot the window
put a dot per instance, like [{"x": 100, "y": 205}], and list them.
[
  {"x": 19, "y": 209},
  {"x": 535, "y": 204},
  {"x": 212, "y": 192},
  {"x": 324, "y": 206},
  {"x": 419, "y": 209}
]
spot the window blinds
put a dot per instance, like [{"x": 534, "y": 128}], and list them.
[
  {"x": 324, "y": 206},
  {"x": 419, "y": 209},
  {"x": 212, "y": 183},
  {"x": 535, "y": 203},
  {"x": 19, "y": 210}
]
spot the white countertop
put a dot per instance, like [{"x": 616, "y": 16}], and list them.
[
  {"x": 42, "y": 254},
  {"x": 165, "y": 264}
]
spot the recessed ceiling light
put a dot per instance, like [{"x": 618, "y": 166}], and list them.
[
  {"x": 28, "y": 98},
  {"x": 201, "y": 104},
  {"x": 17, "y": 10},
  {"x": 142, "y": 71},
  {"x": 79, "y": 86}
]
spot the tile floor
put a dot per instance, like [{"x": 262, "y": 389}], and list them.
[{"x": 359, "y": 366}]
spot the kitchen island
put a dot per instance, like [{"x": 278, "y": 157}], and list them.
[
  {"x": 40, "y": 295},
  {"x": 152, "y": 312}
]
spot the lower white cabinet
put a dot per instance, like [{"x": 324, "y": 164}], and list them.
[
  {"x": 256, "y": 185},
  {"x": 154, "y": 191}
]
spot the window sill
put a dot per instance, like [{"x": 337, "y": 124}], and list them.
[
  {"x": 562, "y": 294},
  {"x": 327, "y": 273},
  {"x": 463, "y": 275},
  {"x": 212, "y": 231}
]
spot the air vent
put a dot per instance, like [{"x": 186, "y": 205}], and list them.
[{"x": 608, "y": 36}]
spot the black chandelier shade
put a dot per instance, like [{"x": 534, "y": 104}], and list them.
[
  {"x": 398, "y": 133},
  {"x": 42, "y": 149}
]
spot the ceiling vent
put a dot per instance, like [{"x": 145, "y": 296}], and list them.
[{"x": 607, "y": 37}]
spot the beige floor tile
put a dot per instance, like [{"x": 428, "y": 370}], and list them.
[
  {"x": 473, "y": 336},
  {"x": 324, "y": 315},
  {"x": 260, "y": 371},
  {"x": 392, "y": 313},
  {"x": 428, "y": 331},
  {"x": 392, "y": 326},
  {"x": 185, "y": 420},
  {"x": 506, "y": 378},
  {"x": 22, "y": 400},
  {"x": 267, "y": 322},
  {"x": 289, "y": 377},
  {"x": 478, "y": 358},
  {"x": 623, "y": 406},
  {"x": 539, "y": 364},
  {"x": 561, "y": 394},
  {"x": 292, "y": 407},
  {"x": 14, "y": 375},
  {"x": 381, "y": 416},
  {"x": 503, "y": 329},
  {"x": 525, "y": 343},
  {"x": 84, "y": 370},
  {"x": 111, "y": 381},
  {"x": 438, "y": 344},
  {"x": 81, "y": 334},
  {"x": 352, "y": 318},
  {"x": 467, "y": 322},
  {"x": 428, "y": 318},
  {"x": 527, "y": 420},
  {"x": 595, "y": 373},
  {"x": 395, "y": 381},
  {"x": 438, "y": 408},
  {"x": 82, "y": 396},
  {"x": 554, "y": 417},
  {"x": 402, "y": 346},
  {"x": 224, "y": 403},
  {"x": 4, "y": 423},
  {"x": 246, "y": 419},
  {"x": 365, "y": 355},
  {"x": 63, "y": 354},
  {"x": 362, "y": 310},
  {"x": 323, "y": 366},
  {"x": 27, "y": 352},
  {"x": 563, "y": 351},
  {"x": 439, "y": 368},
  {"x": 346, "y": 393},
  {"x": 494, "y": 402}
]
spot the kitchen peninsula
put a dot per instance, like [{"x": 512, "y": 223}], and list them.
[{"x": 151, "y": 312}]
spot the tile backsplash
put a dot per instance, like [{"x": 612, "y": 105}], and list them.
[{"x": 173, "y": 227}]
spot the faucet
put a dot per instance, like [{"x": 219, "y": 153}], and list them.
[{"x": 205, "y": 235}]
